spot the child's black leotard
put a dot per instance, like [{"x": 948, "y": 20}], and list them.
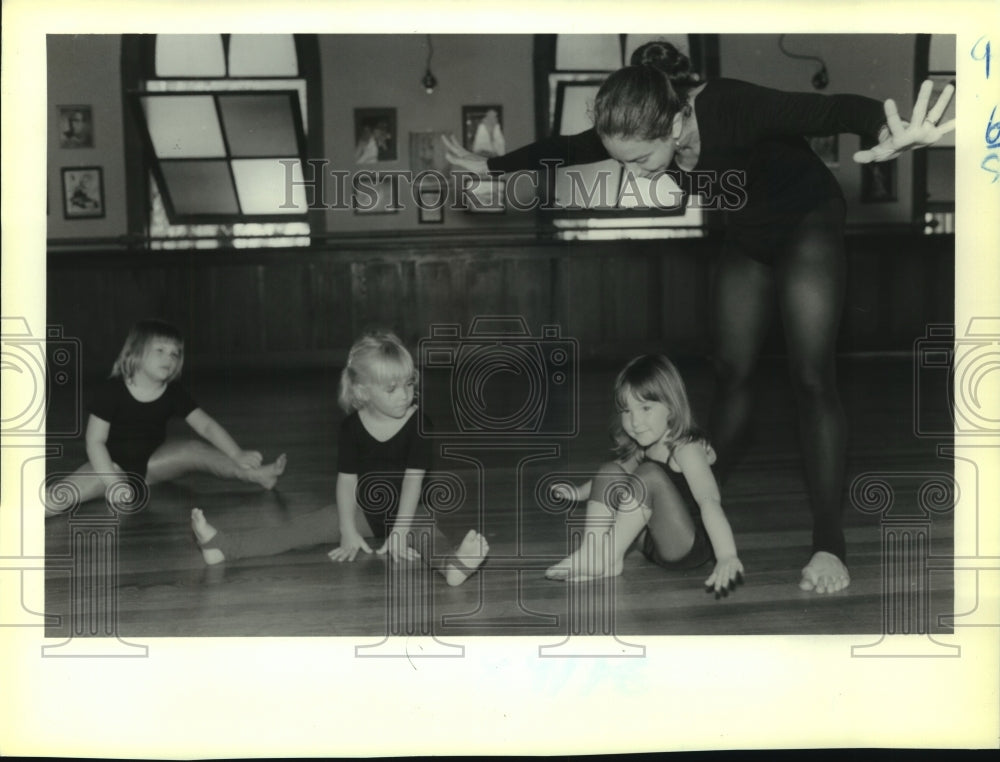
[
  {"x": 137, "y": 428},
  {"x": 748, "y": 129},
  {"x": 383, "y": 463}
]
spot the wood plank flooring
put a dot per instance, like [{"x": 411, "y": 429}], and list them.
[{"x": 161, "y": 587}]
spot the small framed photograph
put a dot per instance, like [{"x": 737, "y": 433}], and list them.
[
  {"x": 482, "y": 130},
  {"x": 83, "y": 192},
  {"x": 827, "y": 147},
  {"x": 430, "y": 205},
  {"x": 483, "y": 195},
  {"x": 76, "y": 127},
  {"x": 427, "y": 153},
  {"x": 375, "y": 135},
  {"x": 375, "y": 195},
  {"x": 878, "y": 182}
]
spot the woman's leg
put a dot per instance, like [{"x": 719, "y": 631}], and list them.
[
  {"x": 301, "y": 531},
  {"x": 173, "y": 459},
  {"x": 743, "y": 291},
  {"x": 811, "y": 282}
]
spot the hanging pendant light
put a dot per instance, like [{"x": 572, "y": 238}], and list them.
[{"x": 429, "y": 81}]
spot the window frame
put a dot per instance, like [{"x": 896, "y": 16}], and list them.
[{"x": 138, "y": 67}]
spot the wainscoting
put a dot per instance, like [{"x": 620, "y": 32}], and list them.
[{"x": 284, "y": 308}]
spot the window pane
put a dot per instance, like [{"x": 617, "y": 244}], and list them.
[
  {"x": 942, "y": 53},
  {"x": 199, "y": 187},
  {"x": 189, "y": 55},
  {"x": 939, "y": 80},
  {"x": 940, "y": 174},
  {"x": 183, "y": 126},
  {"x": 263, "y": 187},
  {"x": 588, "y": 52},
  {"x": 262, "y": 55},
  {"x": 633, "y": 41},
  {"x": 259, "y": 125},
  {"x": 575, "y": 114}
]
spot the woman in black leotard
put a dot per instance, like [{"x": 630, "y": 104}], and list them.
[{"x": 784, "y": 234}]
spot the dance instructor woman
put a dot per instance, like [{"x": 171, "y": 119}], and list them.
[{"x": 784, "y": 242}]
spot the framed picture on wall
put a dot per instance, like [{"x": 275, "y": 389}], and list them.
[
  {"x": 427, "y": 153},
  {"x": 83, "y": 192},
  {"x": 482, "y": 130},
  {"x": 483, "y": 195},
  {"x": 431, "y": 199},
  {"x": 375, "y": 195},
  {"x": 878, "y": 182},
  {"x": 76, "y": 126},
  {"x": 374, "y": 135},
  {"x": 827, "y": 147}
]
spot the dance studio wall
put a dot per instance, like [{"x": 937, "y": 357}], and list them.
[
  {"x": 877, "y": 65},
  {"x": 385, "y": 70}
]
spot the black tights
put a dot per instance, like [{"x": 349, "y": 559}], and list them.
[{"x": 807, "y": 279}]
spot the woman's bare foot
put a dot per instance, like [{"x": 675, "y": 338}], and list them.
[
  {"x": 204, "y": 532},
  {"x": 825, "y": 573},
  {"x": 267, "y": 476},
  {"x": 468, "y": 557}
]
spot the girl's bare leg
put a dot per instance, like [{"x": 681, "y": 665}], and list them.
[
  {"x": 174, "y": 459},
  {"x": 615, "y": 517},
  {"x": 301, "y": 531},
  {"x": 77, "y": 488}
]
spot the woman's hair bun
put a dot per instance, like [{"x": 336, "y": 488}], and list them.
[{"x": 666, "y": 58}]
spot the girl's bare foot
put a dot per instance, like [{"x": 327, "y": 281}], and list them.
[
  {"x": 204, "y": 532},
  {"x": 583, "y": 565},
  {"x": 267, "y": 476},
  {"x": 825, "y": 573},
  {"x": 468, "y": 557}
]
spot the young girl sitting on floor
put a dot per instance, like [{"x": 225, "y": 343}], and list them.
[
  {"x": 669, "y": 463},
  {"x": 127, "y": 429},
  {"x": 379, "y": 446}
]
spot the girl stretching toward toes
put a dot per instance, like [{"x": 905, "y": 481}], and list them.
[
  {"x": 380, "y": 453},
  {"x": 669, "y": 463},
  {"x": 127, "y": 429}
]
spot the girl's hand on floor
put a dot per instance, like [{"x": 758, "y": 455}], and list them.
[
  {"x": 249, "y": 459},
  {"x": 349, "y": 547},
  {"x": 728, "y": 573},
  {"x": 395, "y": 545}
]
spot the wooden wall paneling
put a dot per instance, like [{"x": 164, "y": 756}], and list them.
[
  {"x": 530, "y": 289},
  {"x": 329, "y": 292},
  {"x": 907, "y": 294},
  {"x": 379, "y": 298},
  {"x": 863, "y": 299},
  {"x": 439, "y": 294},
  {"x": 685, "y": 301},
  {"x": 578, "y": 299},
  {"x": 625, "y": 294},
  {"x": 486, "y": 286},
  {"x": 233, "y": 318},
  {"x": 285, "y": 312}
]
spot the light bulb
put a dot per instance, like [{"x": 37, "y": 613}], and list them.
[{"x": 429, "y": 82}]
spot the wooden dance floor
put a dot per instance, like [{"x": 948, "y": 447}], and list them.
[{"x": 161, "y": 587}]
